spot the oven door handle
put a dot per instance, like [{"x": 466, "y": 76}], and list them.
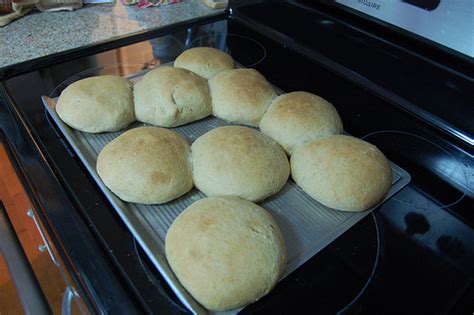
[
  {"x": 29, "y": 291},
  {"x": 66, "y": 305},
  {"x": 45, "y": 245}
]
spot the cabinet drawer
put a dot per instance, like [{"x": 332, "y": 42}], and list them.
[{"x": 48, "y": 267}]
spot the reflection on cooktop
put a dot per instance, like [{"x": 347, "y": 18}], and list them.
[
  {"x": 334, "y": 280},
  {"x": 436, "y": 172},
  {"x": 421, "y": 158},
  {"x": 416, "y": 224},
  {"x": 414, "y": 210}
]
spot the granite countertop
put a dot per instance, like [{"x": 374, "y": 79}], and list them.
[{"x": 40, "y": 34}]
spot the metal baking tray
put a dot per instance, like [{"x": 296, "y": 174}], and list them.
[{"x": 307, "y": 226}]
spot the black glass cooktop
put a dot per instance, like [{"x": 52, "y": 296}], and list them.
[
  {"x": 413, "y": 254},
  {"x": 440, "y": 94}
]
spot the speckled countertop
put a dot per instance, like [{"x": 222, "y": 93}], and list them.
[{"x": 41, "y": 34}]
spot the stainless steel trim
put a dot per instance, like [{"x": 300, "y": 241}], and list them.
[
  {"x": 449, "y": 22},
  {"x": 29, "y": 291},
  {"x": 46, "y": 245}
]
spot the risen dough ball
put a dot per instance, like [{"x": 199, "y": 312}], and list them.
[
  {"x": 240, "y": 96},
  {"x": 227, "y": 252},
  {"x": 295, "y": 118},
  {"x": 147, "y": 165},
  {"x": 205, "y": 61},
  {"x": 97, "y": 104},
  {"x": 238, "y": 161},
  {"x": 342, "y": 172},
  {"x": 169, "y": 97}
]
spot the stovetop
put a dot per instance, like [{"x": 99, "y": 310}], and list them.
[{"x": 414, "y": 254}]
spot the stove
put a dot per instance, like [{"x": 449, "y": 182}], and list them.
[{"x": 414, "y": 101}]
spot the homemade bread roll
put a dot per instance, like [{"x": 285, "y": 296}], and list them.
[
  {"x": 227, "y": 252},
  {"x": 147, "y": 165},
  {"x": 238, "y": 161},
  {"x": 240, "y": 96},
  {"x": 97, "y": 104},
  {"x": 205, "y": 61},
  {"x": 295, "y": 118},
  {"x": 342, "y": 172},
  {"x": 169, "y": 97}
]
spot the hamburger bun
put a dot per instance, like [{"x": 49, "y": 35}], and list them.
[
  {"x": 342, "y": 172},
  {"x": 227, "y": 252}
]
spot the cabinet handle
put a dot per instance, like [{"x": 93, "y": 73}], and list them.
[
  {"x": 67, "y": 301},
  {"x": 44, "y": 247}
]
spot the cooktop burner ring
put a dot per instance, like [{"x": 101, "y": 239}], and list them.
[
  {"x": 372, "y": 272},
  {"x": 438, "y": 147},
  {"x": 222, "y": 41}
]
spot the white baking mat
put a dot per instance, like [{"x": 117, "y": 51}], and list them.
[{"x": 306, "y": 225}]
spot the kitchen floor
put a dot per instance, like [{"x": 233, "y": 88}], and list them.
[{"x": 9, "y": 301}]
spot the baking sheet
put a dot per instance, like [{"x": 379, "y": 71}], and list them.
[{"x": 306, "y": 225}]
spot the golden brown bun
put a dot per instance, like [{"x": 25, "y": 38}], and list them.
[
  {"x": 97, "y": 104},
  {"x": 240, "y": 96},
  {"x": 169, "y": 97},
  {"x": 147, "y": 165},
  {"x": 205, "y": 61},
  {"x": 298, "y": 117},
  {"x": 238, "y": 161},
  {"x": 227, "y": 252},
  {"x": 342, "y": 172}
]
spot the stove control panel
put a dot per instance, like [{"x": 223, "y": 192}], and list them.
[{"x": 446, "y": 22}]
